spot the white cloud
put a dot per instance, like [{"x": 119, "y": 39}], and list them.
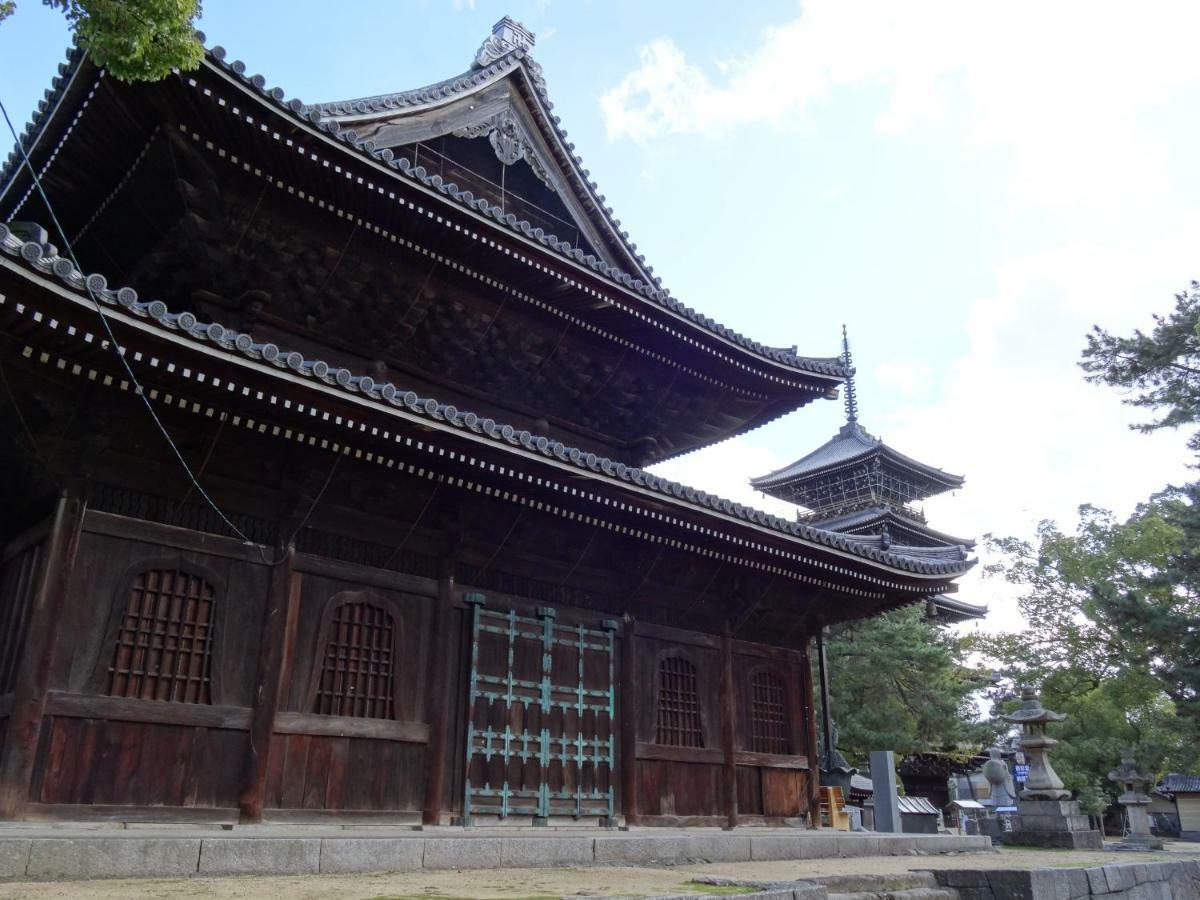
[
  {"x": 1013, "y": 412},
  {"x": 1058, "y": 86},
  {"x": 725, "y": 469}
]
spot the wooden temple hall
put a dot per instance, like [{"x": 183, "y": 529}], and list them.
[{"x": 420, "y": 371}]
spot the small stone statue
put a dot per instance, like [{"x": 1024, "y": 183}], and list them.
[
  {"x": 1043, "y": 782},
  {"x": 1135, "y": 800},
  {"x": 995, "y": 770}
]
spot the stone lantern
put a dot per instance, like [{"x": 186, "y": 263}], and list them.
[
  {"x": 1135, "y": 800},
  {"x": 1043, "y": 782},
  {"x": 1046, "y": 815}
]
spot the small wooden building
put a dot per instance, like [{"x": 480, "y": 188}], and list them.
[{"x": 422, "y": 574}]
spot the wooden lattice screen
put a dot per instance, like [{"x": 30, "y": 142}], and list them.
[
  {"x": 357, "y": 674},
  {"x": 678, "y": 721},
  {"x": 768, "y": 714},
  {"x": 164, "y": 642}
]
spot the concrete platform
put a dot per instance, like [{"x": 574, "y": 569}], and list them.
[{"x": 74, "y": 852}]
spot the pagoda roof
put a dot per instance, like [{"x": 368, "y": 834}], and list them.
[
  {"x": 951, "y": 610},
  {"x": 496, "y": 61},
  {"x": 40, "y": 262},
  {"x": 876, "y": 516},
  {"x": 852, "y": 444}
]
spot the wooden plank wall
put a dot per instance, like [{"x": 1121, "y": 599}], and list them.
[
  {"x": 100, "y": 756},
  {"x": 104, "y": 756},
  {"x": 690, "y": 785}
]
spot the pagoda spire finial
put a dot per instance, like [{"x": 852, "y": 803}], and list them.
[{"x": 851, "y": 398}]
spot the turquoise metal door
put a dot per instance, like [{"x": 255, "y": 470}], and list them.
[{"x": 540, "y": 729}]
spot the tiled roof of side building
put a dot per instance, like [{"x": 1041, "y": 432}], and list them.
[
  {"x": 44, "y": 259},
  {"x": 1175, "y": 783},
  {"x": 851, "y": 443},
  {"x": 314, "y": 117}
]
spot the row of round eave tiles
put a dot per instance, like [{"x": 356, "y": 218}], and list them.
[
  {"x": 221, "y": 153},
  {"x": 127, "y": 298},
  {"x": 298, "y": 109},
  {"x": 264, "y": 428},
  {"x": 429, "y": 447}
]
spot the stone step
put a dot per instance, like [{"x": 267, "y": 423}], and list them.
[
  {"x": 921, "y": 893},
  {"x": 868, "y": 884}
]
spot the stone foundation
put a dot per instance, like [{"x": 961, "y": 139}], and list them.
[
  {"x": 1149, "y": 881},
  {"x": 1052, "y": 823}
]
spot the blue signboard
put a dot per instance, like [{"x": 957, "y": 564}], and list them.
[{"x": 1021, "y": 772}]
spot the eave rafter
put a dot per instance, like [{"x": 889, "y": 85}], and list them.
[{"x": 683, "y": 509}]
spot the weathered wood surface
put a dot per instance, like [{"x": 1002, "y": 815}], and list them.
[
  {"x": 66, "y": 705},
  {"x": 729, "y": 715},
  {"x": 352, "y": 773},
  {"x": 275, "y": 652},
  {"x": 439, "y": 704},
  {"x": 111, "y": 762},
  {"x": 631, "y": 701},
  {"x": 19, "y": 754},
  {"x": 347, "y": 726}
]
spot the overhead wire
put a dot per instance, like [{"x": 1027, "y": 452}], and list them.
[{"x": 138, "y": 389}]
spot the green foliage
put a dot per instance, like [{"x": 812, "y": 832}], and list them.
[
  {"x": 1113, "y": 610},
  {"x": 134, "y": 40},
  {"x": 1162, "y": 368},
  {"x": 899, "y": 683},
  {"x": 1114, "y": 685}
]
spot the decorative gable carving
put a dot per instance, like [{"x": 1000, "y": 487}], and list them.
[{"x": 510, "y": 140}]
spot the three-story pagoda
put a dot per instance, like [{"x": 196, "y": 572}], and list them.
[{"x": 856, "y": 484}]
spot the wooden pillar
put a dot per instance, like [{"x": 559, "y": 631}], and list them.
[
  {"x": 810, "y": 731},
  {"x": 29, "y": 695},
  {"x": 630, "y": 713},
  {"x": 826, "y": 717},
  {"x": 729, "y": 727},
  {"x": 437, "y": 698},
  {"x": 275, "y": 657}
]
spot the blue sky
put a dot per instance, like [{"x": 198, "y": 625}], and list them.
[{"x": 969, "y": 187}]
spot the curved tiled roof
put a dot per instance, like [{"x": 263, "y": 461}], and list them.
[
  {"x": 959, "y": 607},
  {"x": 41, "y": 116},
  {"x": 851, "y": 443},
  {"x": 873, "y": 514},
  {"x": 312, "y": 116},
  {"x": 1176, "y": 783},
  {"x": 45, "y": 259}
]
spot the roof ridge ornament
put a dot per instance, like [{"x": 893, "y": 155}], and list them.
[
  {"x": 851, "y": 398},
  {"x": 507, "y": 35}
]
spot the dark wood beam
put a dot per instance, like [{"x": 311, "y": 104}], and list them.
[
  {"x": 629, "y": 718},
  {"x": 810, "y": 733},
  {"x": 729, "y": 727},
  {"x": 31, "y": 691},
  {"x": 437, "y": 703},
  {"x": 275, "y": 653}
]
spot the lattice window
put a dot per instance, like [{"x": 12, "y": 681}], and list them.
[
  {"x": 678, "y": 722},
  {"x": 164, "y": 642},
  {"x": 357, "y": 675},
  {"x": 768, "y": 714}
]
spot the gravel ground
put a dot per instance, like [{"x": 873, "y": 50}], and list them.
[{"x": 511, "y": 884}]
